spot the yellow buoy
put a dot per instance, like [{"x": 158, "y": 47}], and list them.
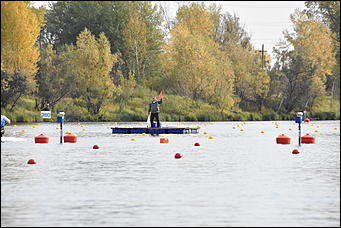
[
  {"x": 233, "y": 127},
  {"x": 67, "y": 132},
  {"x": 261, "y": 131},
  {"x": 205, "y": 133},
  {"x": 316, "y": 131},
  {"x": 102, "y": 124},
  {"x": 24, "y": 130},
  {"x": 276, "y": 126},
  {"x": 238, "y": 125},
  {"x": 34, "y": 126},
  {"x": 108, "y": 127},
  {"x": 318, "y": 126},
  {"x": 83, "y": 129},
  {"x": 241, "y": 129},
  {"x": 335, "y": 128},
  {"x": 132, "y": 139},
  {"x": 289, "y": 129},
  {"x": 38, "y": 124},
  {"x": 14, "y": 125},
  {"x": 57, "y": 128},
  {"x": 143, "y": 134},
  {"x": 211, "y": 137}
]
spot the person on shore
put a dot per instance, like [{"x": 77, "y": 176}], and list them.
[
  {"x": 154, "y": 110},
  {"x": 4, "y": 121}
]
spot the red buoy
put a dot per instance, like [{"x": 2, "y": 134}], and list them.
[
  {"x": 31, "y": 162},
  {"x": 295, "y": 151},
  {"x": 307, "y": 120},
  {"x": 196, "y": 144},
  {"x": 70, "y": 138},
  {"x": 41, "y": 139},
  {"x": 95, "y": 147},
  {"x": 163, "y": 140},
  {"x": 283, "y": 139},
  {"x": 308, "y": 139},
  {"x": 178, "y": 155}
]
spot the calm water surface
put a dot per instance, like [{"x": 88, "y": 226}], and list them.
[{"x": 238, "y": 178}]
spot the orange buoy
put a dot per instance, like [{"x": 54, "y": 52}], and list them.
[
  {"x": 41, "y": 139},
  {"x": 283, "y": 139},
  {"x": 31, "y": 162},
  {"x": 295, "y": 151},
  {"x": 178, "y": 155},
  {"x": 307, "y": 120},
  {"x": 196, "y": 144},
  {"x": 308, "y": 139},
  {"x": 70, "y": 138},
  {"x": 95, "y": 147},
  {"x": 163, "y": 140}
]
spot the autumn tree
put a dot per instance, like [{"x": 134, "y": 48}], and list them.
[
  {"x": 306, "y": 66},
  {"x": 193, "y": 64},
  {"x": 20, "y": 26},
  {"x": 92, "y": 62}
]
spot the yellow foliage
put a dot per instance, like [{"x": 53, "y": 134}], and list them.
[{"x": 20, "y": 27}]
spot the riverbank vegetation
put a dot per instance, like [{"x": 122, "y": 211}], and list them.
[{"x": 104, "y": 60}]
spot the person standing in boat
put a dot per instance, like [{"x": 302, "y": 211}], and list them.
[
  {"x": 4, "y": 121},
  {"x": 154, "y": 110}
]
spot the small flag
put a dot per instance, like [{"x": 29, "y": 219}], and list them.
[{"x": 160, "y": 96}]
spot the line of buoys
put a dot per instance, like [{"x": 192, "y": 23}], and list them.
[
  {"x": 163, "y": 140},
  {"x": 31, "y": 162},
  {"x": 308, "y": 139},
  {"x": 41, "y": 139},
  {"x": 95, "y": 147},
  {"x": 283, "y": 139},
  {"x": 177, "y": 156},
  {"x": 70, "y": 138},
  {"x": 295, "y": 151}
]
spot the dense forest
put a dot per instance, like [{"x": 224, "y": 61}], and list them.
[{"x": 105, "y": 60}]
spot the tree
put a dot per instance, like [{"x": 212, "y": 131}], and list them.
[
  {"x": 329, "y": 13},
  {"x": 306, "y": 66},
  {"x": 92, "y": 62},
  {"x": 20, "y": 27},
  {"x": 193, "y": 64},
  {"x": 54, "y": 78}
]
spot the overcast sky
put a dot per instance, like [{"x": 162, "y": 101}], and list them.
[{"x": 264, "y": 21}]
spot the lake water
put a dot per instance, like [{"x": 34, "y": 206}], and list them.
[{"x": 238, "y": 178}]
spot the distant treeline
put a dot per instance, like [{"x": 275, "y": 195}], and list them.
[{"x": 104, "y": 60}]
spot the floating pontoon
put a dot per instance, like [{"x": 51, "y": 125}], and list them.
[{"x": 155, "y": 131}]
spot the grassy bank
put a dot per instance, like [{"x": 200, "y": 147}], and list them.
[{"x": 134, "y": 108}]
